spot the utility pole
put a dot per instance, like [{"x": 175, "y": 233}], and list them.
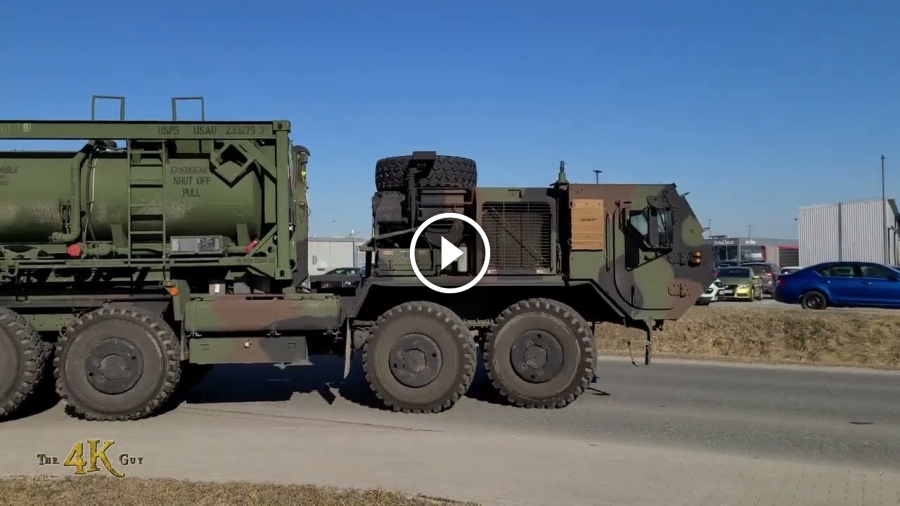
[
  {"x": 884, "y": 228},
  {"x": 597, "y": 173}
]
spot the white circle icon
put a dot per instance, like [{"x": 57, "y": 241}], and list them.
[{"x": 454, "y": 252}]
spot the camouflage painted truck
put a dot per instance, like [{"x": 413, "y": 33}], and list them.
[{"x": 132, "y": 265}]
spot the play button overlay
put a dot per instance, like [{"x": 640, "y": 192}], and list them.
[{"x": 450, "y": 253}]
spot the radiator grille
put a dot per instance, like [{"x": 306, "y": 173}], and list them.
[{"x": 519, "y": 234}]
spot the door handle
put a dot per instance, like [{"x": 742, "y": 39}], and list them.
[{"x": 867, "y": 282}]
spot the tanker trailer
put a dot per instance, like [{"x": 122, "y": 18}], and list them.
[{"x": 130, "y": 269}]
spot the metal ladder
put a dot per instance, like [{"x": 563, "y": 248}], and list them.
[
  {"x": 142, "y": 173},
  {"x": 146, "y": 170}
]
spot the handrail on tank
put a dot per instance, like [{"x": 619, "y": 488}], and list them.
[
  {"x": 197, "y": 98},
  {"x": 94, "y": 99}
]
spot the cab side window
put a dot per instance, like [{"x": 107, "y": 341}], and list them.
[
  {"x": 655, "y": 226},
  {"x": 638, "y": 220},
  {"x": 876, "y": 272},
  {"x": 837, "y": 271}
]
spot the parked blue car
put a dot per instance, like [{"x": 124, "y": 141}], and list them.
[{"x": 841, "y": 284}]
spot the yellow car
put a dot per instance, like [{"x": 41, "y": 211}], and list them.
[{"x": 739, "y": 283}]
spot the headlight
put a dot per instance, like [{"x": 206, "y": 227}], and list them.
[{"x": 744, "y": 285}]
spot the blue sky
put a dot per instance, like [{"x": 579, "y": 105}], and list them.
[{"x": 755, "y": 108}]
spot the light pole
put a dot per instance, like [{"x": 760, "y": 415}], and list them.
[
  {"x": 884, "y": 227},
  {"x": 597, "y": 173}
]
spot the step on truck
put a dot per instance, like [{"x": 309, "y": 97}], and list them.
[{"x": 133, "y": 264}]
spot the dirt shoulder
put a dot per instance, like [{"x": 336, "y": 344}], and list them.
[
  {"x": 164, "y": 492},
  {"x": 770, "y": 335}
]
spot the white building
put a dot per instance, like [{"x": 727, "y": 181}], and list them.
[
  {"x": 849, "y": 231},
  {"x": 326, "y": 253}
]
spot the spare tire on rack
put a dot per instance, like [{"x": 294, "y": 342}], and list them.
[{"x": 445, "y": 172}]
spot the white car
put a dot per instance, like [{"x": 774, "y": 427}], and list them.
[{"x": 711, "y": 294}]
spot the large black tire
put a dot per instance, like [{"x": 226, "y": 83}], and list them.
[
  {"x": 558, "y": 372},
  {"x": 133, "y": 335},
  {"x": 22, "y": 359},
  {"x": 814, "y": 299},
  {"x": 446, "y": 358},
  {"x": 447, "y": 172}
]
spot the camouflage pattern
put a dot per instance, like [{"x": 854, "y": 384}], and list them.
[
  {"x": 249, "y": 350},
  {"x": 644, "y": 284},
  {"x": 596, "y": 235},
  {"x": 236, "y": 313},
  {"x": 211, "y": 244}
]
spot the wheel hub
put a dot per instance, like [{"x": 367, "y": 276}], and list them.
[
  {"x": 415, "y": 360},
  {"x": 537, "y": 356},
  {"x": 114, "y": 366}
]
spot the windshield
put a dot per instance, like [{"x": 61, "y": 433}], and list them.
[{"x": 734, "y": 272}]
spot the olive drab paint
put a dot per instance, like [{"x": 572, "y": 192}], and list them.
[{"x": 196, "y": 232}]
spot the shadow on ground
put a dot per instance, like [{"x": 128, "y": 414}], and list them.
[
  {"x": 267, "y": 383},
  {"x": 43, "y": 398}
]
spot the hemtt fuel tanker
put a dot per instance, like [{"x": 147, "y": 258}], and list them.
[{"x": 127, "y": 269}]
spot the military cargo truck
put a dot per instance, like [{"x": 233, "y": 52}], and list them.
[{"x": 129, "y": 269}]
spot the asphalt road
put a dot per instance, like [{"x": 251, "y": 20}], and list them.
[{"x": 676, "y": 432}]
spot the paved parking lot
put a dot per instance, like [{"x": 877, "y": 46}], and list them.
[{"x": 773, "y": 304}]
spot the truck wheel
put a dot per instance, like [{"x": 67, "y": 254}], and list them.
[
  {"x": 118, "y": 362},
  {"x": 22, "y": 359},
  {"x": 447, "y": 172},
  {"x": 540, "y": 353},
  {"x": 420, "y": 358}
]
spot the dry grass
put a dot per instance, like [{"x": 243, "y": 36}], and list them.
[
  {"x": 47, "y": 491},
  {"x": 775, "y": 335}
]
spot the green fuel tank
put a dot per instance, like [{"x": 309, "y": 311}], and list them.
[{"x": 34, "y": 187}]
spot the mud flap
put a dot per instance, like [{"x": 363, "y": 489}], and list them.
[
  {"x": 348, "y": 350},
  {"x": 646, "y": 344}
]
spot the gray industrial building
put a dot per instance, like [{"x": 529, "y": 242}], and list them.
[
  {"x": 860, "y": 230},
  {"x": 326, "y": 253}
]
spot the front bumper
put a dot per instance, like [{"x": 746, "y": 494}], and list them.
[
  {"x": 735, "y": 293},
  {"x": 706, "y": 299},
  {"x": 711, "y": 294}
]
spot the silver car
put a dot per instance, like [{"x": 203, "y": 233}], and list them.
[{"x": 789, "y": 269}]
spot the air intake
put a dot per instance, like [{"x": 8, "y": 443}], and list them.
[{"x": 519, "y": 234}]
